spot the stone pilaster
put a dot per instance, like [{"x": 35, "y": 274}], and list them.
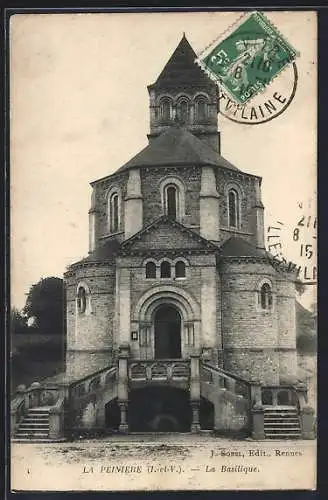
[
  {"x": 208, "y": 307},
  {"x": 209, "y": 206},
  {"x": 93, "y": 222},
  {"x": 259, "y": 215},
  {"x": 133, "y": 204},
  {"x": 124, "y": 305}
]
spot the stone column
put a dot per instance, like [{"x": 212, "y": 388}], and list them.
[
  {"x": 258, "y": 422},
  {"x": 133, "y": 204},
  {"x": 195, "y": 425},
  {"x": 122, "y": 385},
  {"x": 123, "y": 427},
  {"x": 307, "y": 416},
  {"x": 209, "y": 206},
  {"x": 195, "y": 391}
]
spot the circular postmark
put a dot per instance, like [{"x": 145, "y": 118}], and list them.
[
  {"x": 265, "y": 106},
  {"x": 255, "y": 70},
  {"x": 293, "y": 243}
]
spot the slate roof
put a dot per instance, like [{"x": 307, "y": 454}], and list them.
[
  {"x": 177, "y": 146},
  {"x": 181, "y": 69},
  {"x": 105, "y": 253},
  {"x": 238, "y": 247}
]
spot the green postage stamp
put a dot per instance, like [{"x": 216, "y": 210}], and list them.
[{"x": 249, "y": 58}]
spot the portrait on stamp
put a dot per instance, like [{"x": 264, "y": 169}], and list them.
[{"x": 163, "y": 250}]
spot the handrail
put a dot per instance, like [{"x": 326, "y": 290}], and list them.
[
  {"x": 58, "y": 406},
  {"x": 227, "y": 374},
  {"x": 91, "y": 375},
  {"x": 16, "y": 402}
]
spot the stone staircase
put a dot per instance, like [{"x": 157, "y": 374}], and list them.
[
  {"x": 282, "y": 422},
  {"x": 35, "y": 426}
]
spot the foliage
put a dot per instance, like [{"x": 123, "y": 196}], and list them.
[
  {"x": 299, "y": 286},
  {"x": 18, "y": 322},
  {"x": 306, "y": 335},
  {"x": 45, "y": 303},
  {"x": 307, "y": 344}
]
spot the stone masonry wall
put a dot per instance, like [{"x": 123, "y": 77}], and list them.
[
  {"x": 101, "y": 201},
  {"x": 90, "y": 334},
  {"x": 150, "y": 188},
  {"x": 191, "y": 284},
  {"x": 287, "y": 330},
  {"x": 224, "y": 179},
  {"x": 250, "y": 334}
]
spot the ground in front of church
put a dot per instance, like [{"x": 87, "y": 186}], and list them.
[{"x": 163, "y": 462}]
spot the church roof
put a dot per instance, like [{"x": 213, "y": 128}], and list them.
[
  {"x": 104, "y": 253},
  {"x": 238, "y": 247},
  {"x": 181, "y": 69},
  {"x": 177, "y": 146}
]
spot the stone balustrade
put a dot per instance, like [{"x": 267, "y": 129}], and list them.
[{"x": 164, "y": 370}]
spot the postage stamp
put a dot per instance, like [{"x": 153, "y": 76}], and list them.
[{"x": 249, "y": 58}]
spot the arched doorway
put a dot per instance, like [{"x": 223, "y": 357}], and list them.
[{"x": 167, "y": 326}]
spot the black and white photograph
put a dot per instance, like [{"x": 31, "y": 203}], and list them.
[{"x": 163, "y": 242}]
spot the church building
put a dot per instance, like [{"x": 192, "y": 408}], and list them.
[{"x": 178, "y": 319}]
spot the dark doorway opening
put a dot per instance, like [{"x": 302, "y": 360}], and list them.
[
  {"x": 206, "y": 414},
  {"x": 167, "y": 333},
  {"x": 159, "y": 409},
  {"x": 112, "y": 415}
]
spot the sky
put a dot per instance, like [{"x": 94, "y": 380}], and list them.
[{"x": 79, "y": 110}]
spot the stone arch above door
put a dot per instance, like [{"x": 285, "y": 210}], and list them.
[
  {"x": 152, "y": 299},
  {"x": 143, "y": 318}
]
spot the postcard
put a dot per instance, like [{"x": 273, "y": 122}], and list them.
[{"x": 163, "y": 250}]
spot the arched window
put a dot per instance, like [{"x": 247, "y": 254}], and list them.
[
  {"x": 150, "y": 270},
  {"x": 180, "y": 269},
  {"x": 114, "y": 213},
  {"x": 165, "y": 109},
  {"x": 173, "y": 197},
  {"x": 266, "y": 296},
  {"x": 81, "y": 300},
  {"x": 201, "y": 108},
  {"x": 183, "y": 111},
  {"x": 171, "y": 201},
  {"x": 233, "y": 208},
  {"x": 165, "y": 269}
]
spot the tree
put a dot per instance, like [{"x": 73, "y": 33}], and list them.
[
  {"x": 299, "y": 286},
  {"x": 18, "y": 322},
  {"x": 306, "y": 334},
  {"x": 45, "y": 303}
]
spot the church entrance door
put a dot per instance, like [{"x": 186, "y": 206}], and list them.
[{"x": 167, "y": 333}]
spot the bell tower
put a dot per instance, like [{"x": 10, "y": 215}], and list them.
[{"x": 183, "y": 94}]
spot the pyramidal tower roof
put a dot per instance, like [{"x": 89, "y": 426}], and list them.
[
  {"x": 176, "y": 146},
  {"x": 181, "y": 69}
]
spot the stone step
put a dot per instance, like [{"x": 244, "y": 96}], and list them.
[
  {"x": 280, "y": 414},
  {"x": 32, "y": 411},
  {"x": 36, "y": 440},
  {"x": 35, "y": 419},
  {"x": 282, "y": 421},
  {"x": 281, "y": 429},
  {"x": 23, "y": 434},
  {"x": 283, "y": 435},
  {"x": 25, "y": 427}
]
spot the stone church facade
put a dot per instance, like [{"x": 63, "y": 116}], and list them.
[{"x": 178, "y": 304}]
